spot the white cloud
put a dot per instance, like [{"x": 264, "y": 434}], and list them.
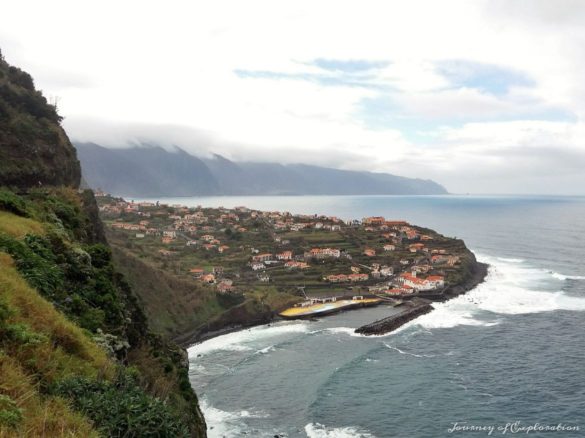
[{"x": 167, "y": 73}]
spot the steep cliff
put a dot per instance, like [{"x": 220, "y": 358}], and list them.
[
  {"x": 34, "y": 149},
  {"x": 77, "y": 357}
]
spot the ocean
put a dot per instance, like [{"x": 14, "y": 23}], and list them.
[{"x": 506, "y": 356}]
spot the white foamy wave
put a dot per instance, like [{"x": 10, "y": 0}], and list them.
[
  {"x": 351, "y": 332},
  {"x": 344, "y": 330},
  {"x": 317, "y": 430},
  {"x": 221, "y": 424},
  {"x": 510, "y": 288},
  {"x": 392, "y": 347},
  {"x": 224, "y": 424},
  {"x": 266, "y": 350},
  {"x": 510, "y": 260},
  {"x": 566, "y": 277},
  {"x": 238, "y": 341}
]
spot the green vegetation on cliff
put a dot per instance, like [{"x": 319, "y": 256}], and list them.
[
  {"x": 71, "y": 328},
  {"x": 34, "y": 149},
  {"x": 77, "y": 357}
]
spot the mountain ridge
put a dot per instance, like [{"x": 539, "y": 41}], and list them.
[{"x": 150, "y": 170}]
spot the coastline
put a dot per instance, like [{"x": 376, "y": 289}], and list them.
[
  {"x": 419, "y": 307},
  {"x": 197, "y": 336}
]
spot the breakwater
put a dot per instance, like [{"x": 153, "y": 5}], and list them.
[{"x": 415, "y": 308}]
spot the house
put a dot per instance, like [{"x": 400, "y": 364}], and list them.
[
  {"x": 419, "y": 284},
  {"x": 386, "y": 271},
  {"x": 170, "y": 233},
  {"x": 415, "y": 247},
  {"x": 336, "y": 278},
  {"x": 296, "y": 265},
  {"x": 257, "y": 266},
  {"x": 208, "y": 278},
  {"x": 140, "y": 235},
  {"x": 223, "y": 248},
  {"x": 197, "y": 272},
  {"x": 411, "y": 234},
  {"x": 322, "y": 253},
  {"x": 166, "y": 240},
  {"x": 224, "y": 287},
  {"x": 340, "y": 278},
  {"x": 438, "y": 259},
  {"x": 207, "y": 237},
  {"x": 262, "y": 257},
  {"x": 285, "y": 255},
  {"x": 389, "y": 247},
  {"x": 438, "y": 281},
  {"x": 357, "y": 277},
  {"x": 423, "y": 268},
  {"x": 264, "y": 278},
  {"x": 369, "y": 252},
  {"x": 374, "y": 220}
]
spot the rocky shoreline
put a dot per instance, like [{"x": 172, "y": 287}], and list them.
[{"x": 420, "y": 306}]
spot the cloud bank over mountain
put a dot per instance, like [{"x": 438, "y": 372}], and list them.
[{"x": 483, "y": 96}]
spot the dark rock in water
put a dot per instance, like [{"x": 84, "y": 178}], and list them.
[{"x": 416, "y": 308}]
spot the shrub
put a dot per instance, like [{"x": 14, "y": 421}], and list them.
[
  {"x": 121, "y": 408},
  {"x": 10, "y": 414},
  {"x": 13, "y": 203}
]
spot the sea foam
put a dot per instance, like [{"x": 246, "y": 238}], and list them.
[
  {"x": 511, "y": 288},
  {"x": 224, "y": 424},
  {"x": 317, "y": 430},
  {"x": 239, "y": 341}
]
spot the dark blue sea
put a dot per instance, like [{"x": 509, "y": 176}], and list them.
[{"x": 507, "y": 356}]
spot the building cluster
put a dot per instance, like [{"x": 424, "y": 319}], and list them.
[{"x": 394, "y": 246}]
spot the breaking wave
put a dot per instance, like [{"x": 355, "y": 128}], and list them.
[
  {"x": 237, "y": 341},
  {"x": 511, "y": 288},
  {"x": 392, "y": 347},
  {"x": 224, "y": 424},
  {"x": 563, "y": 277},
  {"x": 317, "y": 430}
]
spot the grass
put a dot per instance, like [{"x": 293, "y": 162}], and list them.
[
  {"x": 32, "y": 414},
  {"x": 18, "y": 227},
  {"x": 271, "y": 297},
  {"x": 39, "y": 346}
]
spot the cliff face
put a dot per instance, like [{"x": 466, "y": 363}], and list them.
[
  {"x": 34, "y": 149},
  {"x": 76, "y": 348}
]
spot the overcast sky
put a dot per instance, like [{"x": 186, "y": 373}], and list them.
[{"x": 481, "y": 96}]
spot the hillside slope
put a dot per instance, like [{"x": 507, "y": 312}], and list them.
[
  {"x": 77, "y": 357},
  {"x": 150, "y": 171}
]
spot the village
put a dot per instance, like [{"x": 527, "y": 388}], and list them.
[{"x": 237, "y": 250}]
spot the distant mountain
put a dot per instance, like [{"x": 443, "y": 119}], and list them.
[
  {"x": 145, "y": 171},
  {"x": 150, "y": 171}
]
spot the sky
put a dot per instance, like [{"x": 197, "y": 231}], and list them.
[{"x": 480, "y": 96}]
